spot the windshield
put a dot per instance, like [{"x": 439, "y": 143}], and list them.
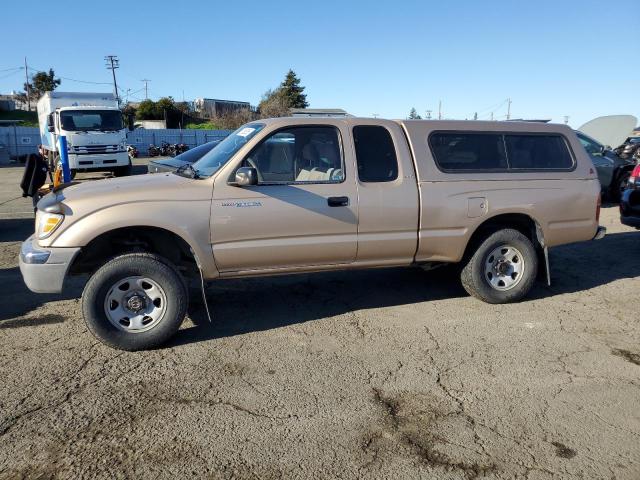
[
  {"x": 211, "y": 162},
  {"x": 88, "y": 120}
]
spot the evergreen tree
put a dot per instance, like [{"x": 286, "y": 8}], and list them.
[
  {"x": 413, "y": 115},
  {"x": 45, "y": 82},
  {"x": 292, "y": 91}
]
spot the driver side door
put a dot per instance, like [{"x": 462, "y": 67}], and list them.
[{"x": 302, "y": 212}]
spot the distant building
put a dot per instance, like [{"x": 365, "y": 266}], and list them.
[
  {"x": 7, "y": 103},
  {"x": 151, "y": 124},
  {"x": 212, "y": 107},
  {"x": 319, "y": 112}
]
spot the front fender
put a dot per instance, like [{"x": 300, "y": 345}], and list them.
[{"x": 187, "y": 219}]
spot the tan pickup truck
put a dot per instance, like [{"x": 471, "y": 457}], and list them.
[{"x": 294, "y": 195}]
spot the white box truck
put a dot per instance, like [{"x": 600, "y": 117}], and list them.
[{"x": 93, "y": 126}]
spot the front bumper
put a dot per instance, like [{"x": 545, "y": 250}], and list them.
[
  {"x": 98, "y": 160},
  {"x": 44, "y": 269}
]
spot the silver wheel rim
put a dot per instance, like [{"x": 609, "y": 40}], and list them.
[
  {"x": 504, "y": 267},
  {"x": 135, "y": 304}
]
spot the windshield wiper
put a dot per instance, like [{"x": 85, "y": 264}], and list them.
[{"x": 188, "y": 167}]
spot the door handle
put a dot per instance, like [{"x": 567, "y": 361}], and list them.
[{"x": 338, "y": 201}]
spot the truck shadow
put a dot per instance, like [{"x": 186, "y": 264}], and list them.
[
  {"x": 249, "y": 305},
  {"x": 586, "y": 265},
  {"x": 16, "y": 229},
  {"x": 17, "y": 301}
]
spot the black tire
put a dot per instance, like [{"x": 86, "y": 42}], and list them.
[
  {"x": 473, "y": 276},
  {"x": 123, "y": 171},
  {"x": 73, "y": 172},
  {"x": 143, "y": 264}
]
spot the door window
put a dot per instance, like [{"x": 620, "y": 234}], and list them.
[
  {"x": 299, "y": 155},
  {"x": 375, "y": 154}
]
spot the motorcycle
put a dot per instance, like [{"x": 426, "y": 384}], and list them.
[
  {"x": 166, "y": 149},
  {"x": 132, "y": 151},
  {"x": 153, "y": 151},
  {"x": 181, "y": 148}
]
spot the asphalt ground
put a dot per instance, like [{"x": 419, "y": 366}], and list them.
[{"x": 390, "y": 373}]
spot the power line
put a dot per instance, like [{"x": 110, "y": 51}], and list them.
[
  {"x": 10, "y": 74},
  {"x": 71, "y": 79},
  {"x": 13, "y": 68}
]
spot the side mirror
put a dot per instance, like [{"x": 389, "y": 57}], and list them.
[
  {"x": 246, "y": 176},
  {"x": 50, "y": 124}
]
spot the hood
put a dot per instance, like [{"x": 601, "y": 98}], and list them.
[
  {"x": 174, "y": 162},
  {"x": 92, "y": 196}
]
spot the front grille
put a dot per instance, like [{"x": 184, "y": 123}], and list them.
[{"x": 88, "y": 149}]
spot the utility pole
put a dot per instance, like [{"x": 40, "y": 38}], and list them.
[
  {"x": 375, "y": 115},
  {"x": 428, "y": 114},
  {"x": 566, "y": 119},
  {"x": 508, "y": 108},
  {"x": 492, "y": 116},
  {"x": 439, "y": 109},
  {"x": 26, "y": 76},
  {"x": 112, "y": 64},
  {"x": 146, "y": 88},
  {"x": 475, "y": 116}
]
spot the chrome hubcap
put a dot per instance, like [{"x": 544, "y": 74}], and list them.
[
  {"x": 135, "y": 304},
  {"x": 504, "y": 267}
]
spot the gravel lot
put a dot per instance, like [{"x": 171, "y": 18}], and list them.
[{"x": 372, "y": 374}]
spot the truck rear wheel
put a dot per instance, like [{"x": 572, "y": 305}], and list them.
[
  {"x": 135, "y": 301},
  {"x": 502, "y": 269}
]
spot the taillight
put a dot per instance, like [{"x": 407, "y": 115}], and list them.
[
  {"x": 635, "y": 174},
  {"x": 598, "y": 208}
]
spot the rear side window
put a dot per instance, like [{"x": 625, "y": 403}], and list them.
[
  {"x": 468, "y": 151},
  {"x": 375, "y": 154},
  {"x": 538, "y": 152},
  {"x": 476, "y": 151}
]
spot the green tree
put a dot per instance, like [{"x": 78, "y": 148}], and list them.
[
  {"x": 146, "y": 110},
  {"x": 292, "y": 91},
  {"x": 40, "y": 83},
  {"x": 45, "y": 82},
  {"x": 413, "y": 115},
  {"x": 274, "y": 103}
]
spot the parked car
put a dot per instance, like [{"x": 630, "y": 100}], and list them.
[
  {"x": 613, "y": 171},
  {"x": 630, "y": 201},
  {"x": 172, "y": 164},
  {"x": 291, "y": 195}
]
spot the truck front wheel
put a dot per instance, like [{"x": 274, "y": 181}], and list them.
[
  {"x": 135, "y": 301},
  {"x": 502, "y": 269}
]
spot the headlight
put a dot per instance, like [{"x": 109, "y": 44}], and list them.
[{"x": 46, "y": 223}]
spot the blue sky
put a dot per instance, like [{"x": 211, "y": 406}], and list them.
[{"x": 552, "y": 58}]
